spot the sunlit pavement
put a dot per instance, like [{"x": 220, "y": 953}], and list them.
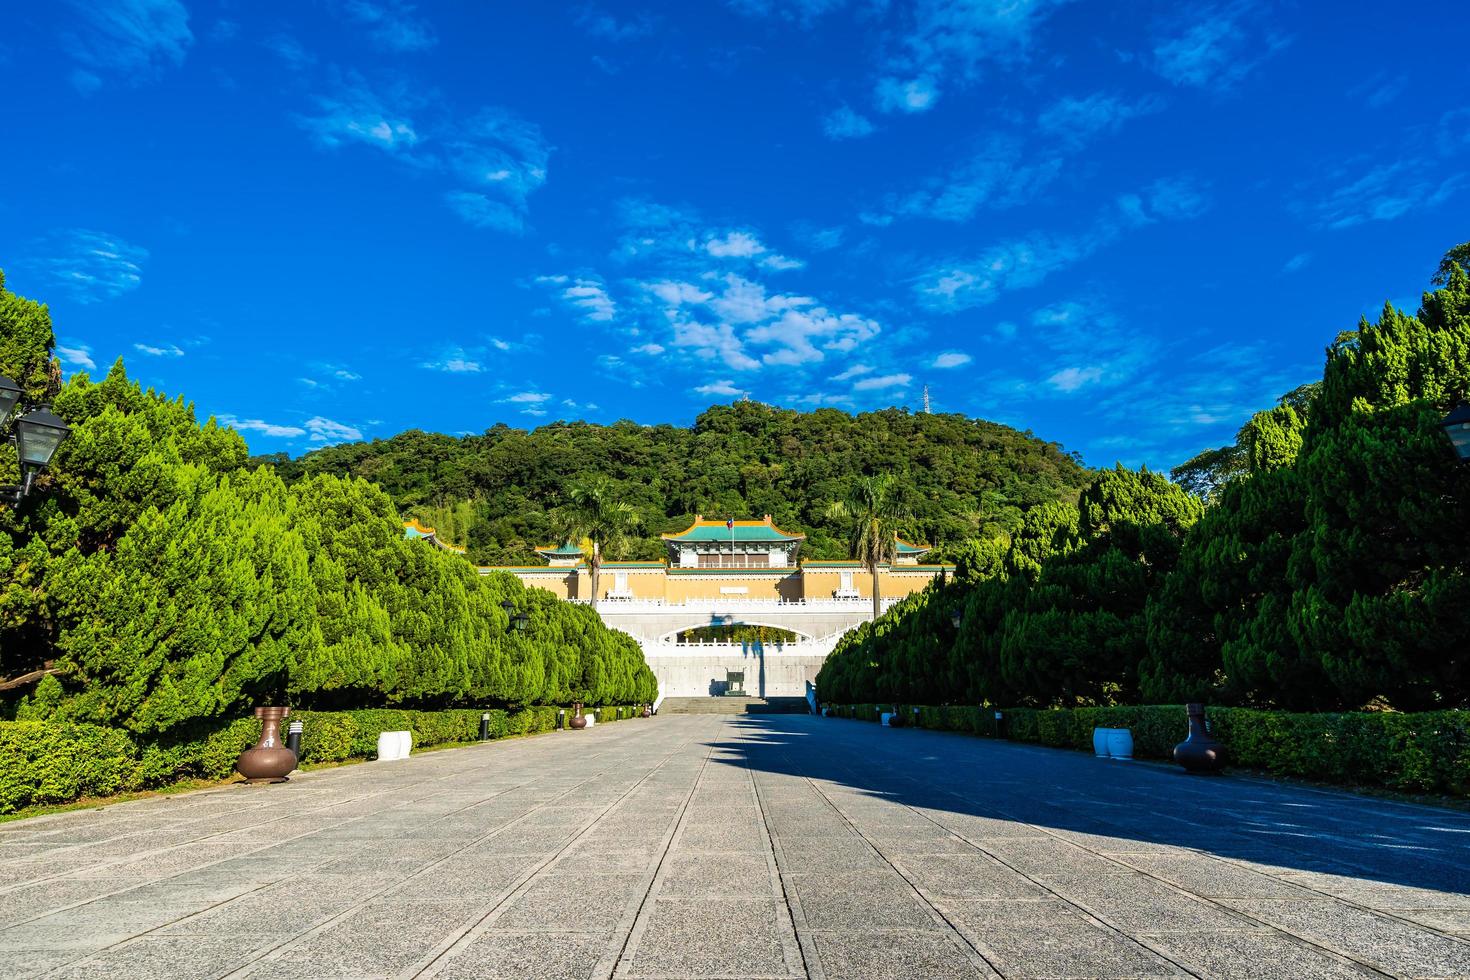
[{"x": 763, "y": 846}]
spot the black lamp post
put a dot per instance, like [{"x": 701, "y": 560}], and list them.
[
  {"x": 1457, "y": 426},
  {"x": 37, "y": 436},
  {"x": 956, "y": 618}
]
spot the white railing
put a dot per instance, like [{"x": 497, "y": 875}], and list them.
[{"x": 736, "y": 604}]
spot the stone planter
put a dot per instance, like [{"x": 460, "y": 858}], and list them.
[
  {"x": 269, "y": 761},
  {"x": 579, "y": 720},
  {"x": 1200, "y": 752}
]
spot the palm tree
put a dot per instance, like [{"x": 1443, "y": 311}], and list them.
[
  {"x": 593, "y": 514},
  {"x": 872, "y": 511}
]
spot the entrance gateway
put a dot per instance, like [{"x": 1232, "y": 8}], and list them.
[{"x": 719, "y": 573}]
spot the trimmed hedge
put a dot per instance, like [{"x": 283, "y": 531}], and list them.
[
  {"x": 43, "y": 762},
  {"x": 1421, "y": 752}
]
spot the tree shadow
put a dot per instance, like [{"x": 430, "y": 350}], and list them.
[{"x": 1112, "y": 806}]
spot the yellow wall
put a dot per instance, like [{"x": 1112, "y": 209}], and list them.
[{"x": 659, "y": 584}]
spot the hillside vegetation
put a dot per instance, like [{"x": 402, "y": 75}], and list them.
[{"x": 495, "y": 493}]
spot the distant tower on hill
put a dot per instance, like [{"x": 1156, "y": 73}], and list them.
[{"x": 926, "y": 400}]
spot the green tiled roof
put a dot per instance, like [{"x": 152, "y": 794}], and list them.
[
  {"x": 707, "y": 530},
  {"x": 561, "y": 551},
  {"x": 904, "y": 548}
]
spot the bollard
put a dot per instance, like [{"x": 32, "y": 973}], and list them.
[
  {"x": 293, "y": 738},
  {"x": 561, "y": 719},
  {"x": 485, "y": 727}
]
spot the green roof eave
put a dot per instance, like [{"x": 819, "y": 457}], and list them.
[{"x": 732, "y": 571}]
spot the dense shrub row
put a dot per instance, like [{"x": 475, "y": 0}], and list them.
[
  {"x": 43, "y": 762},
  {"x": 158, "y": 582},
  {"x": 1416, "y": 752},
  {"x": 1326, "y": 570}
]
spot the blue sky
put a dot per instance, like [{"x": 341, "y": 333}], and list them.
[{"x": 1123, "y": 226}]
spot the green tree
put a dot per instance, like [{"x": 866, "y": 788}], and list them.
[
  {"x": 595, "y": 514},
  {"x": 874, "y": 511}
]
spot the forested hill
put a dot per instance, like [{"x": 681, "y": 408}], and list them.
[{"x": 495, "y": 493}]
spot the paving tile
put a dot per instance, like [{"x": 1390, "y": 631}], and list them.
[
  {"x": 1205, "y": 876},
  {"x": 1388, "y": 944},
  {"x": 972, "y": 875},
  {"x": 586, "y": 903},
  {"x": 1071, "y": 953},
  {"x": 1254, "y": 955},
  {"x": 497, "y": 955},
  {"x": 893, "y": 956},
  {"x": 165, "y": 958},
  {"x": 712, "y": 938},
  {"x": 1137, "y": 904},
  {"x": 724, "y": 875},
  {"x": 871, "y": 902}
]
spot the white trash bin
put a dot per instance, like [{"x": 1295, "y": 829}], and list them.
[
  {"x": 394, "y": 745},
  {"x": 1120, "y": 743},
  {"x": 1100, "y": 741}
]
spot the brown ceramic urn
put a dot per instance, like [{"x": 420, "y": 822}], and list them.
[
  {"x": 269, "y": 761},
  {"x": 578, "y": 721}
]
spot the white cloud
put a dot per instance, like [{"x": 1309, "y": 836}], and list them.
[
  {"x": 454, "y": 361},
  {"x": 391, "y": 24},
  {"x": 736, "y": 244},
  {"x": 949, "y": 40},
  {"x": 133, "y": 39},
  {"x": 905, "y": 95},
  {"x": 817, "y": 239},
  {"x": 354, "y": 113},
  {"x": 325, "y": 430},
  {"x": 497, "y": 159},
  {"x": 270, "y": 429},
  {"x": 882, "y": 381},
  {"x": 585, "y": 294},
  {"x": 1387, "y": 191},
  {"x": 342, "y": 374},
  {"x": 1166, "y": 199},
  {"x": 289, "y": 50},
  {"x": 1072, "y": 378},
  {"x": 802, "y": 11},
  {"x": 166, "y": 350},
  {"x": 996, "y": 177},
  {"x": 1297, "y": 262},
  {"x": 1076, "y": 121},
  {"x": 652, "y": 350},
  {"x": 1010, "y": 265},
  {"x": 714, "y": 314},
  {"x": 846, "y": 124},
  {"x": 603, "y": 25},
  {"x": 484, "y": 212},
  {"x": 952, "y": 359},
  {"x": 89, "y": 266},
  {"x": 853, "y": 372},
  {"x": 79, "y": 356},
  {"x": 528, "y": 398},
  {"x": 724, "y": 388},
  {"x": 1216, "y": 46}
]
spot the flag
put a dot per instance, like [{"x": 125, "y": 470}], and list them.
[{"x": 730, "y": 523}]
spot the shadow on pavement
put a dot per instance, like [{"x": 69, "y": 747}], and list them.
[{"x": 1116, "y": 806}]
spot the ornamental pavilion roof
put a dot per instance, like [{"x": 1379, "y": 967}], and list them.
[
  {"x": 703, "y": 530},
  {"x": 413, "y": 529},
  {"x": 567, "y": 550},
  {"x": 909, "y": 548}
]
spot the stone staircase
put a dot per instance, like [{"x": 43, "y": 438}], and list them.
[{"x": 733, "y": 706}]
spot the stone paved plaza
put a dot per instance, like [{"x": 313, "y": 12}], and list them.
[{"x": 759, "y": 846}]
